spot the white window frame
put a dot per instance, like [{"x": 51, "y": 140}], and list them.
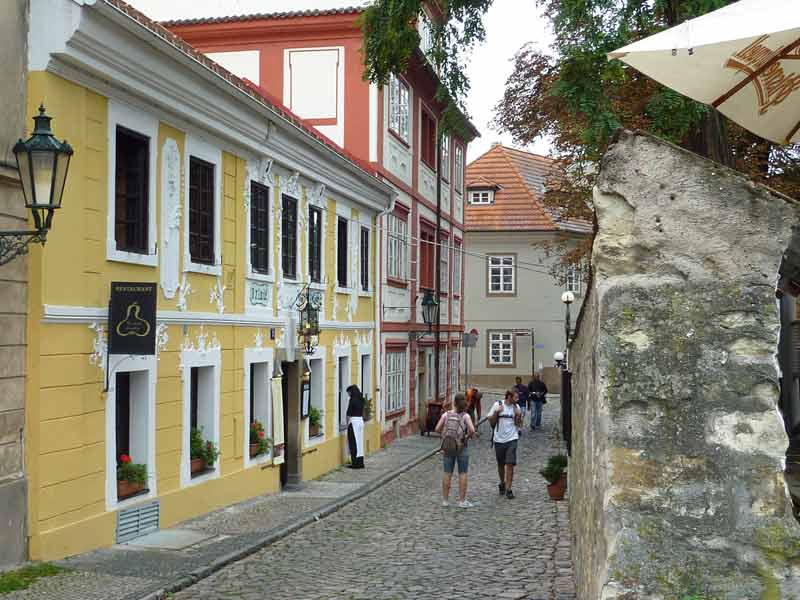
[
  {"x": 199, "y": 358},
  {"x": 204, "y": 150},
  {"x": 268, "y": 277},
  {"x": 444, "y": 265},
  {"x": 573, "y": 280},
  {"x": 131, "y": 364},
  {"x": 348, "y": 219},
  {"x": 321, "y": 205},
  {"x": 256, "y": 356},
  {"x": 502, "y": 269},
  {"x": 504, "y": 340},
  {"x": 396, "y": 380},
  {"x": 458, "y": 248},
  {"x": 399, "y": 117},
  {"x": 454, "y": 357},
  {"x": 147, "y": 125},
  {"x": 481, "y": 197},
  {"x": 343, "y": 351},
  {"x": 397, "y": 242},
  {"x": 318, "y": 363},
  {"x": 443, "y": 371},
  {"x": 446, "y": 157},
  {"x": 370, "y": 271},
  {"x": 458, "y": 168}
]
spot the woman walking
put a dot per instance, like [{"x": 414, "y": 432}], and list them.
[
  {"x": 455, "y": 427},
  {"x": 355, "y": 427}
]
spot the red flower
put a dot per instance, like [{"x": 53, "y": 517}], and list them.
[
  {"x": 261, "y": 433},
  {"x": 124, "y": 459}
]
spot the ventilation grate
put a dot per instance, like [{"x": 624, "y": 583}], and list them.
[{"x": 137, "y": 521}]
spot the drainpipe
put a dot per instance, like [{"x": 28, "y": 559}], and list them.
[
  {"x": 437, "y": 257},
  {"x": 377, "y": 401}
]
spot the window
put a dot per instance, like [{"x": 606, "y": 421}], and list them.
[
  {"x": 315, "y": 244},
  {"x": 341, "y": 252},
  {"x": 425, "y": 34},
  {"x": 201, "y": 211},
  {"x": 399, "y": 108},
  {"x": 427, "y": 139},
  {"x": 457, "y": 269},
  {"x": 201, "y": 407},
  {"x": 289, "y": 237},
  {"x": 446, "y": 157},
  {"x": 427, "y": 248},
  {"x": 444, "y": 266},
  {"x": 442, "y": 371},
  {"x": 366, "y": 375},
  {"x": 398, "y": 248},
  {"x": 342, "y": 384},
  {"x": 481, "y": 197},
  {"x": 454, "y": 369},
  {"x": 259, "y": 406},
  {"x": 396, "y": 377},
  {"x": 259, "y": 228},
  {"x": 501, "y": 275},
  {"x": 501, "y": 348},
  {"x": 573, "y": 279},
  {"x": 317, "y": 366},
  {"x": 365, "y": 259},
  {"x": 131, "y": 216},
  {"x": 459, "y": 168}
]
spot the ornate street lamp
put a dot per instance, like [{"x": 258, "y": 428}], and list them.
[
  {"x": 567, "y": 298},
  {"x": 42, "y": 162},
  {"x": 308, "y": 304},
  {"x": 558, "y": 358},
  {"x": 430, "y": 310}
]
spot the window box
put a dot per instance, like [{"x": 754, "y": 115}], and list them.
[
  {"x": 255, "y": 450},
  {"x": 198, "y": 466},
  {"x": 129, "y": 489},
  {"x": 313, "y": 430}
]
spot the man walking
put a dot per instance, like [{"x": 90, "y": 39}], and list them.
[
  {"x": 505, "y": 417},
  {"x": 538, "y": 397},
  {"x": 522, "y": 399}
]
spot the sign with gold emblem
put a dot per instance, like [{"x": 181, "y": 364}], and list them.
[{"x": 132, "y": 318}]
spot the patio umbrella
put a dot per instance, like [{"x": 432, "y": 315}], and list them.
[{"x": 743, "y": 59}]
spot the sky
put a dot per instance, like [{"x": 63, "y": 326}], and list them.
[{"x": 509, "y": 25}]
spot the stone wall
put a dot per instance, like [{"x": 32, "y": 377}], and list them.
[
  {"x": 676, "y": 476},
  {"x": 13, "y": 286}
]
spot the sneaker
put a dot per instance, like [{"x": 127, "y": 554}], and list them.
[
  {"x": 509, "y": 494},
  {"x": 502, "y": 488},
  {"x": 465, "y": 504},
  {"x": 445, "y": 503}
]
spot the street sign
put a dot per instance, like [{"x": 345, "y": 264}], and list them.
[
  {"x": 132, "y": 318},
  {"x": 469, "y": 340}
]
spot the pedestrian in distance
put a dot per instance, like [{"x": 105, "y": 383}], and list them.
[
  {"x": 456, "y": 427},
  {"x": 355, "y": 427},
  {"x": 474, "y": 404},
  {"x": 505, "y": 417},
  {"x": 538, "y": 398},
  {"x": 522, "y": 395}
]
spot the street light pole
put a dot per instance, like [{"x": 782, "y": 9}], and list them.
[{"x": 567, "y": 298}]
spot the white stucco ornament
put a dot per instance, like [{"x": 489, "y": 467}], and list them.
[
  {"x": 184, "y": 291},
  {"x": 319, "y": 193},
  {"x": 292, "y": 184},
  {"x": 202, "y": 345},
  {"x": 162, "y": 338},
  {"x": 170, "y": 251},
  {"x": 99, "y": 346},
  {"x": 216, "y": 295},
  {"x": 259, "y": 339}
]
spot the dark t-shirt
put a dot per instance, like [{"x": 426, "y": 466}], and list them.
[{"x": 356, "y": 406}]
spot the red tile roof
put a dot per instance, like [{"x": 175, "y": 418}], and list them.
[
  {"x": 314, "y": 12},
  {"x": 242, "y": 85},
  {"x": 518, "y": 203}
]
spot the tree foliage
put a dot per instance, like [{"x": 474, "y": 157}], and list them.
[
  {"x": 391, "y": 38},
  {"x": 577, "y": 98}
]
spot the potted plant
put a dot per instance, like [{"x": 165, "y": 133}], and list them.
[
  {"x": 314, "y": 421},
  {"x": 556, "y": 476},
  {"x": 203, "y": 453},
  {"x": 367, "y": 408},
  {"x": 259, "y": 442},
  {"x": 131, "y": 477}
]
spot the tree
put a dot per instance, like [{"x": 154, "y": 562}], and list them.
[{"x": 578, "y": 99}]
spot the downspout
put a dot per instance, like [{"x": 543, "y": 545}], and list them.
[
  {"x": 437, "y": 257},
  {"x": 377, "y": 402}
]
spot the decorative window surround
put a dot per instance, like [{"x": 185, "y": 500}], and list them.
[
  {"x": 365, "y": 352},
  {"x": 257, "y": 356},
  {"x": 501, "y": 348},
  {"x": 318, "y": 364},
  {"x": 202, "y": 356},
  {"x": 147, "y": 125},
  {"x": 502, "y": 275},
  {"x": 341, "y": 349},
  {"x": 481, "y": 197},
  {"x": 146, "y": 365},
  {"x": 259, "y": 171},
  {"x": 396, "y": 362},
  {"x": 200, "y": 148}
]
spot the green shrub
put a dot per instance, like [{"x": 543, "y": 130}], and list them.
[
  {"x": 23, "y": 578},
  {"x": 314, "y": 417},
  {"x": 555, "y": 468},
  {"x": 200, "y": 448}
]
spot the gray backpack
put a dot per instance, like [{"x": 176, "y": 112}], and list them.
[{"x": 454, "y": 433}]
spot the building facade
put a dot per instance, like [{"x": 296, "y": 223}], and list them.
[
  {"x": 312, "y": 61},
  {"x": 186, "y": 177},
  {"x": 515, "y": 296},
  {"x": 13, "y": 286}
]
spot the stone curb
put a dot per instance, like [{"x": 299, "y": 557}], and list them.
[{"x": 285, "y": 530}]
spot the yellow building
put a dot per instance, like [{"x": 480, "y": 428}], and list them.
[{"x": 186, "y": 177}]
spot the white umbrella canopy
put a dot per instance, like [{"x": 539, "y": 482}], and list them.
[{"x": 743, "y": 59}]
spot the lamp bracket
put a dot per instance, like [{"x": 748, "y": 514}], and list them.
[
  {"x": 15, "y": 243},
  {"x": 415, "y": 336}
]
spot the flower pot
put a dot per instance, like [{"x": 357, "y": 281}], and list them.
[
  {"x": 558, "y": 489},
  {"x": 197, "y": 465},
  {"x": 254, "y": 450},
  {"x": 126, "y": 489},
  {"x": 313, "y": 430}
]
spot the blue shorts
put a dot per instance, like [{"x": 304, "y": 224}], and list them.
[{"x": 463, "y": 462}]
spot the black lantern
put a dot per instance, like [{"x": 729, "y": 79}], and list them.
[
  {"x": 430, "y": 312},
  {"x": 309, "y": 304},
  {"x": 42, "y": 162}
]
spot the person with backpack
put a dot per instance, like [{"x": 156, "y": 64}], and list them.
[
  {"x": 538, "y": 398},
  {"x": 522, "y": 395},
  {"x": 505, "y": 417},
  {"x": 455, "y": 427}
]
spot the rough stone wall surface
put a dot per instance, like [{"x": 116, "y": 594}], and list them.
[
  {"x": 676, "y": 479},
  {"x": 13, "y": 285}
]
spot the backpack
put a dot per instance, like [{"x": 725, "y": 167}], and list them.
[{"x": 453, "y": 434}]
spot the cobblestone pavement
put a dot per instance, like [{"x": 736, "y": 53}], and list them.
[
  {"x": 128, "y": 572},
  {"x": 398, "y": 542}
]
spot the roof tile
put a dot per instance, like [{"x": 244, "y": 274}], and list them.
[{"x": 314, "y": 12}]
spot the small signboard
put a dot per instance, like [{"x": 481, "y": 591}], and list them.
[
  {"x": 132, "y": 318},
  {"x": 469, "y": 340},
  {"x": 522, "y": 332}
]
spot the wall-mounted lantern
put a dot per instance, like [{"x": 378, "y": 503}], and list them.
[
  {"x": 430, "y": 311},
  {"x": 309, "y": 304},
  {"x": 42, "y": 162}
]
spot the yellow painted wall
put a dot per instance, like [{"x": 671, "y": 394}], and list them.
[{"x": 66, "y": 410}]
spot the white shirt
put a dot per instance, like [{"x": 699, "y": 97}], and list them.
[{"x": 506, "y": 429}]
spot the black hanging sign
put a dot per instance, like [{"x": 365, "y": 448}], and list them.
[{"x": 132, "y": 318}]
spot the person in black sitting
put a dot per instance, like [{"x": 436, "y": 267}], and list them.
[{"x": 355, "y": 427}]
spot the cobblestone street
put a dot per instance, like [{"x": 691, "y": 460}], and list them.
[{"x": 400, "y": 543}]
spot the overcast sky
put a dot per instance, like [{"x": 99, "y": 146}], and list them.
[{"x": 509, "y": 25}]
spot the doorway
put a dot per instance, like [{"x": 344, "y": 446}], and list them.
[
  {"x": 285, "y": 395},
  {"x": 291, "y": 471}
]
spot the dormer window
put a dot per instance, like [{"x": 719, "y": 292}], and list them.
[{"x": 481, "y": 197}]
